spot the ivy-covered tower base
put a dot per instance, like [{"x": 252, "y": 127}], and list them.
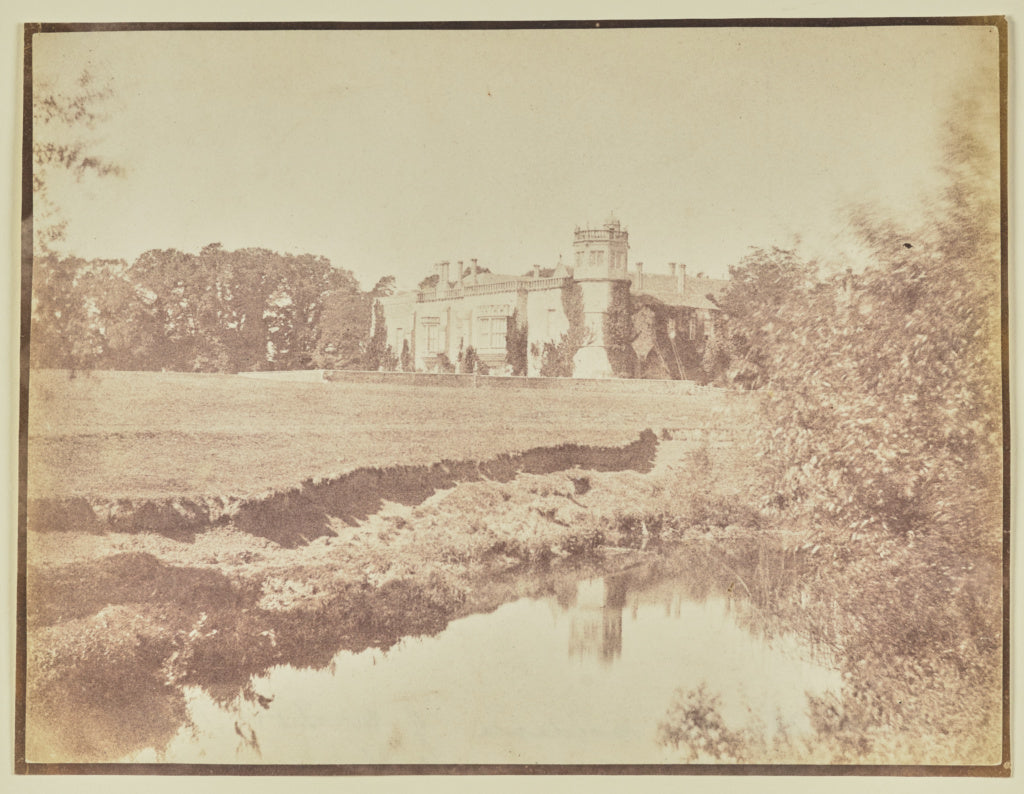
[{"x": 601, "y": 258}]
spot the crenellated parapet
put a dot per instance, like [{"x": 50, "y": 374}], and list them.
[{"x": 601, "y": 253}]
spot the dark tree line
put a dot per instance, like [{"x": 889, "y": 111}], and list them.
[{"x": 215, "y": 311}]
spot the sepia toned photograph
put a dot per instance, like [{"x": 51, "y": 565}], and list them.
[{"x": 455, "y": 398}]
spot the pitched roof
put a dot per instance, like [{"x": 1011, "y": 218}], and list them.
[
  {"x": 664, "y": 288},
  {"x": 492, "y": 278}
]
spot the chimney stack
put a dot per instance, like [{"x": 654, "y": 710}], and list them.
[
  {"x": 682, "y": 279},
  {"x": 460, "y": 276},
  {"x": 672, "y": 269},
  {"x": 443, "y": 283},
  {"x": 536, "y": 271},
  {"x": 639, "y": 275},
  {"x": 474, "y": 270}
]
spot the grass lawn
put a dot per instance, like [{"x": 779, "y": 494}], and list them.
[{"x": 148, "y": 435}]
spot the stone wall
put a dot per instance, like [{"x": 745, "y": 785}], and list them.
[{"x": 622, "y": 386}]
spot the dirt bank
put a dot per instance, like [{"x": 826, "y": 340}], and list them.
[{"x": 295, "y": 516}]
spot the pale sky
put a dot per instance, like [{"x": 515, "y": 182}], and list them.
[{"x": 387, "y": 151}]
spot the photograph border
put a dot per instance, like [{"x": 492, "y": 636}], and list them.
[{"x": 23, "y": 767}]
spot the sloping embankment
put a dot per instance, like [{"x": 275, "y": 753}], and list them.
[{"x": 295, "y": 516}]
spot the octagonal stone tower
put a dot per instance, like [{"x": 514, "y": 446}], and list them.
[{"x": 600, "y": 268}]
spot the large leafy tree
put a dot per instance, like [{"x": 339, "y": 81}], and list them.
[
  {"x": 66, "y": 307},
  {"x": 298, "y": 304},
  {"x": 884, "y": 389},
  {"x": 764, "y": 287},
  {"x": 127, "y": 332},
  {"x": 384, "y": 287},
  {"x": 377, "y": 352},
  {"x": 63, "y": 332},
  {"x": 219, "y": 310},
  {"x": 883, "y": 406},
  {"x": 62, "y": 122},
  {"x": 238, "y": 310},
  {"x": 182, "y": 298},
  {"x": 343, "y": 330}
]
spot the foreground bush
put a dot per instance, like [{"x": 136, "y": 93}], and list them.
[{"x": 882, "y": 436}]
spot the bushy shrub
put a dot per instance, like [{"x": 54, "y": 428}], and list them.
[
  {"x": 716, "y": 360},
  {"x": 882, "y": 399},
  {"x": 765, "y": 291},
  {"x": 516, "y": 341},
  {"x": 884, "y": 412},
  {"x": 388, "y": 361},
  {"x": 444, "y": 364},
  {"x": 883, "y": 389},
  {"x": 470, "y": 362},
  {"x": 406, "y": 358},
  {"x": 556, "y": 358}
]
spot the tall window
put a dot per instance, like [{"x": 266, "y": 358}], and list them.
[
  {"x": 433, "y": 336},
  {"x": 493, "y": 331}
]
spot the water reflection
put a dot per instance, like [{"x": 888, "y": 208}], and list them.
[
  {"x": 583, "y": 675},
  {"x": 595, "y": 623}
]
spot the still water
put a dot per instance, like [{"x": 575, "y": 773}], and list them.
[{"x": 584, "y": 677}]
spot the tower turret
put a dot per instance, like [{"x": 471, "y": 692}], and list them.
[
  {"x": 601, "y": 258},
  {"x": 602, "y": 252}
]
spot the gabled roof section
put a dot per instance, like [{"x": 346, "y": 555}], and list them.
[{"x": 664, "y": 288}]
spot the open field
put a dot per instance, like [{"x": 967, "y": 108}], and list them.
[{"x": 154, "y": 435}]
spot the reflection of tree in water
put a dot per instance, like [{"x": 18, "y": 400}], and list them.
[
  {"x": 125, "y": 690},
  {"x": 694, "y": 726},
  {"x": 755, "y": 578},
  {"x": 248, "y": 736}
]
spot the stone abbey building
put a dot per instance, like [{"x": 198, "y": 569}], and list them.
[{"x": 620, "y": 321}]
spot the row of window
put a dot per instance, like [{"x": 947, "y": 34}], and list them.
[
  {"x": 490, "y": 334},
  {"x": 597, "y": 259}
]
